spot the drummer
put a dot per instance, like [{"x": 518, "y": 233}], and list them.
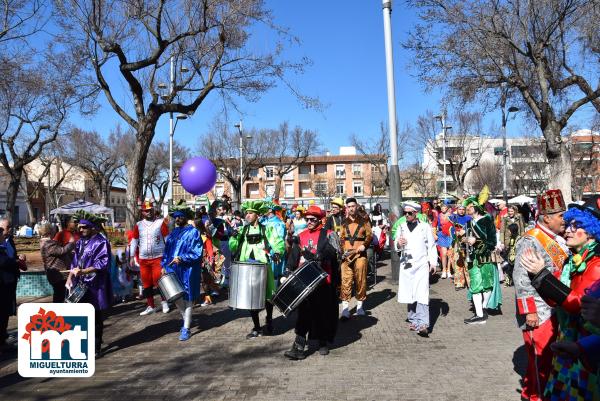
[
  {"x": 318, "y": 313},
  {"x": 91, "y": 264},
  {"x": 183, "y": 256},
  {"x": 258, "y": 243}
]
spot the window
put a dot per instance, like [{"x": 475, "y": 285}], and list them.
[
  {"x": 474, "y": 152},
  {"x": 304, "y": 188},
  {"x": 305, "y": 169},
  {"x": 253, "y": 191},
  {"x": 289, "y": 190},
  {"x": 289, "y": 175},
  {"x": 320, "y": 168},
  {"x": 320, "y": 187},
  {"x": 340, "y": 171},
  {"x": 112, "y": 201},
  {"x": 339, "y": 189},
  {"x": 357, "y": 187},
  {"x": 270, "y": 189},
  {"x": 219, "y": 176},
  {"x": 253, "y": 173},
  {"x": 356, "y": 170},
  {"x": 219, "y": 190},
  {"x": 269, "y": 172}
]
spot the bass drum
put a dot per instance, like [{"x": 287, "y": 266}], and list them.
[
  {"x": 299, "y": 285},
  {"x": 248, "y": 285}
]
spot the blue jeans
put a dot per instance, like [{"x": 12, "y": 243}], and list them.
[{"x": 418, "y": 314}]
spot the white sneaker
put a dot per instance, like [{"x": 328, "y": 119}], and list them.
[
  {"x": 450, "y": 275},
  {"x": 165, "y": 307},
  {"x": 148, "y": 311},
  {"x": 443, "y": 274},
  {"x": 360, "y": 312}
]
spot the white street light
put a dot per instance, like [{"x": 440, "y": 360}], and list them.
[
  {"x": 240, "y": 131},
  {"x": 445, "y": 128}
]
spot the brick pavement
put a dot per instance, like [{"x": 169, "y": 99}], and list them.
[{"x": 374, "y": 357}]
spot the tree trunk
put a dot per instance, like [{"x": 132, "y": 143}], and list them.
[
  {"x": 135, "y": 173},
  {"x": 277, "y": 188},
  {"x": 11, "y": 195},
  {"x": 460, "y": 190},
  {"x": 559, "y": 161},
  {"x": 31, "y": 220}
]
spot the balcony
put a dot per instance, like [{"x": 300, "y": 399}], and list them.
[{"x": 303, "y": 177}]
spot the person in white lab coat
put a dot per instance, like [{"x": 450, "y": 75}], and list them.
[{"x": 418, "y": 257}]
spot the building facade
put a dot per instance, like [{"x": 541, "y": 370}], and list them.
[{"x": 317, "y": 180}]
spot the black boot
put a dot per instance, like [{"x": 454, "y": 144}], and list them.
[
  {"x": 297, "y": 350},
  {"x": 323, "y": 348}
]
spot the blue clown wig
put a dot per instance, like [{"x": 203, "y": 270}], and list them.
[{"x": 584, "y": 219}]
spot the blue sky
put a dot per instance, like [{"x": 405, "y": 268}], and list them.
[{"x": 345, "y": 41}]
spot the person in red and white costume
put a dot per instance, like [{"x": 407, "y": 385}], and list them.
[
  {"x": 535, "y": 317},
  {"x": 149, "y": 243}
]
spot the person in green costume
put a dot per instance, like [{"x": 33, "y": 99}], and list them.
[
  {"x": 258, "y": 243},
  {"x": 481, "y": 238}
]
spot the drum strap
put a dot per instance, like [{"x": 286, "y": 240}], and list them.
[
  {"x": 263, "y": 234},
  {"x": 353, "y": 237}
]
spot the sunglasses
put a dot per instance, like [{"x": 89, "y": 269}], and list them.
[
  {"x": 409, "y": 213},
  {"x": 313, "y": 219}
]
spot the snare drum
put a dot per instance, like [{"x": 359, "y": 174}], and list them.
[
  {"x": 76, "y": 293},
  {"x": 299, "y": 285},
  {"x": 170, "y": 287}
]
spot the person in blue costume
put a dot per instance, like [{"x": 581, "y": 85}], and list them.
[
  {"x": 270, "y": 219},
  {"x": 183, "y": 256}
]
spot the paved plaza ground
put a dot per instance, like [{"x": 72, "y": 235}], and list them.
[{"x": 375, "y": 357}]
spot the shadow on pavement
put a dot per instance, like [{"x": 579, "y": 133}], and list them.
[
  {"x": 375, "y": 299},
  {"x": 519, "y": 361},
  {"x": 437, "y": 307}
]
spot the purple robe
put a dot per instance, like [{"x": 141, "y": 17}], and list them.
[{"x": 94, "y": 252}]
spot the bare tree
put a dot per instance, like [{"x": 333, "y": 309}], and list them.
[
  {"x": 288, "y": 148},
  {"x": 464, "y": 144},
  {"x": 423, "y": 182},
  {"x": 35, "y": 97},
  {"x": 473, "y": 47},
  {"x": 221, "y": 146},
  {"x": 20, "y": 19},
  {"x": 100, "y": 158},
  {"x": 488, "y": 172},
  {"x": 156, "y": 173},
  {"x": 135, "y": 42},
  {"x": 323, "y": 187},
  {"x": 585, "y": 158}
]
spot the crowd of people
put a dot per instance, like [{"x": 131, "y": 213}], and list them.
[{"x": 548, "y": 253}]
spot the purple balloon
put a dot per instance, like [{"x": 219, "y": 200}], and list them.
[{"x": 198, "y": 175}]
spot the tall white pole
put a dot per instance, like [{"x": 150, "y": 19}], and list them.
[
  {"x": 395, "y": 196},
  {"x": 240, "y": 130},
  {"x": 171, "y": 131},
  {"x": 444, "y": 132}
]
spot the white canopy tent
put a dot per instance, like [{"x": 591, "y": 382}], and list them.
[
  {"x": 520, "y": 200},
  {"x": 71, "y": 208}
]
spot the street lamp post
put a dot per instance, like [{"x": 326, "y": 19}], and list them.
[
  {"x": 505, "y": 115},
  {"x": 445, "y": 128},
  {"x": 395, "y": 196},
  {"x": 172, "y": 124},
  {"x": 240, "y": 131}
]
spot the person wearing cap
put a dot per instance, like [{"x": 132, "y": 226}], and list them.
[
  {"x": 460, "y": 220},
  {"x": 334, "y": 221},
  {"x": 534, "y": 315},
  {"x": 318, "y": 313},
  {"x": 418, "y": 257},
  {"x": 182, "y": 255},
  {"x": 570, "y": 378},
  {"x": 356, "y": 236},
  {"x": 148, "y": 244},
  {"x": 90, "y": 265},
  {"x": 481, "y": 239},
  {"x": 258, "y": 243}
]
